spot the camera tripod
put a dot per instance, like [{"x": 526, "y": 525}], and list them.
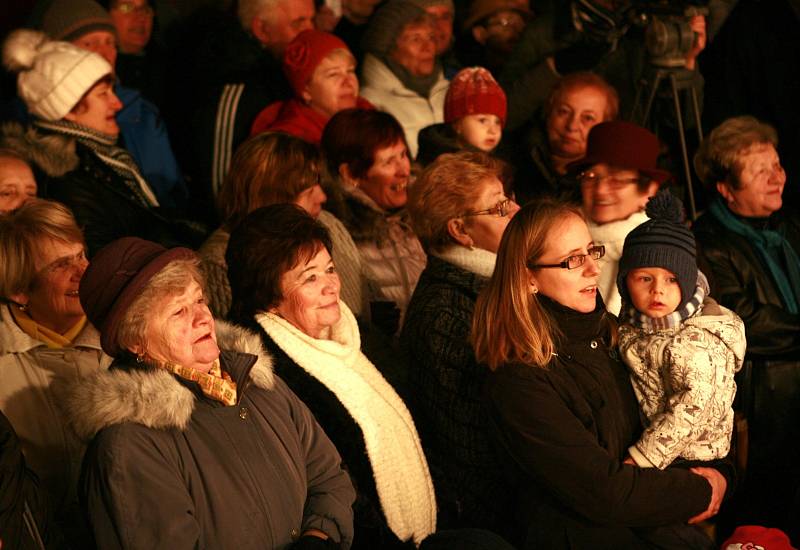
[{"x": 679, "y": 79}]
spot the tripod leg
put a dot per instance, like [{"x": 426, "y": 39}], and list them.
[
  {"x": 696, "y": 108},
  {"x": 651, "y": 96},
  {"x": 684, "y": 150}
]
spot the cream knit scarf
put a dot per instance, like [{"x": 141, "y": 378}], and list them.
[
  {"x": 475, "y": 260},
  {"x": 398, "y": 463}
]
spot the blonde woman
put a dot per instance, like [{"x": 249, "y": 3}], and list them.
[{"x": 562, "y": 406}]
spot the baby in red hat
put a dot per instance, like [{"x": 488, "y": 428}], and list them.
[{"x": 474, "y": 117}]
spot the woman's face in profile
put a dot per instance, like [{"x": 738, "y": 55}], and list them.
[
  {"x": 311, "y": 294},
  {"x": 572, "y": 116},
  {"x": 486, "y": 228},
  {"x": 572, "y": 288},
  {"x": 386, "y": 181},
  {"x": 181, "y": 331},
  {"x": 761, "y": 181}
]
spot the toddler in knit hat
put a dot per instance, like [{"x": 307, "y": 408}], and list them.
[
  {"x": 681, "y": 347},
  {"x": 474, "y": 117}
]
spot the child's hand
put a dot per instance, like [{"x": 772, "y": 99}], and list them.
[
  {"x": 718, "y": 485},
  {"x": 629, "y": 460}
]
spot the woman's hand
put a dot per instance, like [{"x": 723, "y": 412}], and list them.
[
  {"x": 718, "y": 485},
  {"x": 698, "y": 25},
  {"x": 629, "y": 460}
]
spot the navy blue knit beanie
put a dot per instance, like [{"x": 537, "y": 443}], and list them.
[{"x": 663, "y": 241}]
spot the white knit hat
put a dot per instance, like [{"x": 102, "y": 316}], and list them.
[{"x": 53, "y": 76}]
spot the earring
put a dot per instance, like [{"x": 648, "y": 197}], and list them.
[
  {"x": 140, "y": 357},
  {"x": 535, "y": 290},
  {"x": 23, "y": 307}
]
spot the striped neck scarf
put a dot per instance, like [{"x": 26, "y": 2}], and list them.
[
  {"x": 113, "y": 156},
  {"x": 216, "y": 383},
  {"x": 632, "y": 316}
]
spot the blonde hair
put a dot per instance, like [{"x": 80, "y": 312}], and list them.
[
  {"x": 172, "y": 280},
  {"x": 447, "y": 189},
  {"x": 22, "y": 233},
  {"x": 266, "y": 169},
  {"x": 509, "y": 324},
  {"x": 717, "y": 159}
]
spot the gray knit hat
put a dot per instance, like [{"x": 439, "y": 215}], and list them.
[
  {"x": 70, "y": 19},
  {"x": 386, "y": 25},
  {"x": 53, "y": 76},
  {"x": 663, "y": 241}
]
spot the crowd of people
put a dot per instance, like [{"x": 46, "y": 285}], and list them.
[{"x": 390, "y": 274}]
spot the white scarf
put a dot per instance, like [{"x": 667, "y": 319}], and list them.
[
  {"x": 475, "y": 260},
  {"x": 398, "y": 463}
]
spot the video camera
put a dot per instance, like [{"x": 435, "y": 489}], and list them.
[{"x": 667, "y": 34}]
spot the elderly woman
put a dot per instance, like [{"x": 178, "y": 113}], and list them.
[
  {"x": 194, "y": 447},
  {"x": 286, "y": 287},
  {"x": 269, "y": 169},
  {"x": 374, "y": 171},
  {"x": 540, "y": 327},
  {"x": 401, "y": 73},
  {"x": 576, "y": 103},
  {"x": 73, "y": 143},
  {"x": 618, "y": 175},
  {"x": 17, "y": 184},
  {"x": 751, "y": 244},
  {"x": 322, "y": 73},
  {"x": 459, "y": 210},
  {"x": 44, "y": 335}
]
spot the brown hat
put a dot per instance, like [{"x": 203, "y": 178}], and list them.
[
  {"x": 70, "y": 19},
  {"x": 624, "y": 145},
  {"x": 387, "y": 23},
  {"x": 114, "y": 279},
  {"x": 481, "y": 9}
]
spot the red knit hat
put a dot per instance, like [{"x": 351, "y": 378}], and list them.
[
  {"x": 755, "y": 537},
  {"x": 473, "y": 91},
  {"x": 305, "y": 52}
]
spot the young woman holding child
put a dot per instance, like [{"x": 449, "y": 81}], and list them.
[{"x": 542, "y": 329}]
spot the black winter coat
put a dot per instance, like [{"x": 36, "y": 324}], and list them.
[
  {"x": 446, "y": 399},
  {"x": 566, "y": 429},
  {"x": 769, "y": 383}
]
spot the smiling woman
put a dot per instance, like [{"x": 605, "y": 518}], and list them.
[
  {"x": 322, "y": 73},
  {"x": 44, "y": 335}
]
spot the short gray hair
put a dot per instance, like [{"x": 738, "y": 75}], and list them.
[
  {"x": 717, "y": 159},
  {"x": 250, "y": 9}
]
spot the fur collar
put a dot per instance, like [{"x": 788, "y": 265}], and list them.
[
  {"x": 365, "y": 220},
  {"x": 153, "y": 398},
  {"x": 53, "y": 154}
]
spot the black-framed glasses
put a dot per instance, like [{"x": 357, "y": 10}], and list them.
[
  {"x": 501, "y": 209},
  {"x": 574, "y": 262},
  {"x": 591, "y": 179}
]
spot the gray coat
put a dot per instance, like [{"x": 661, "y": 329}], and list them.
[{"x": 170, "y": 468}]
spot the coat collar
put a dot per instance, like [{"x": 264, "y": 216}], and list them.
[
  {"x": 14, "y": 340},
  {"x": 152, "y": 397}
]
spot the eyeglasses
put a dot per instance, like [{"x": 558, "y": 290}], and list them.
[
  {"x": 590, "y": 179},
  {"x": 574, "y": 262},
  {"x": 501, "y": 209},
  {"x": 128, "y": 8}
]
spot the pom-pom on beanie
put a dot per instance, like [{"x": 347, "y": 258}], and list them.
[
  {"x": 304, "y": 53},
  {"x": 473, "y": 91},
  {"x": 387, "y": 23},
  {"x": 663, "y": 241},
  {"x": 53, "y": 76}
]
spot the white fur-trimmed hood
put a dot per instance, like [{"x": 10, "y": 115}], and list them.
[{"x": 153, "y": 398}]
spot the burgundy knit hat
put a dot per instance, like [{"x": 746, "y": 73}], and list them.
[
  {"x": 116, "y": 276},
  {"x": 473, "y": 91},
  {"x": 747, "y": 537},
  {"x": 624, "y": 145},
  {"x": 304, "y": 53}
]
